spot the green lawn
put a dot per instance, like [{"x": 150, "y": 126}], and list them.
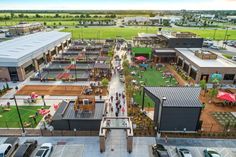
[
  {"x": 10, "y": 118},
  {"x": 151, "y": 77},
  {"x": 130, "y": 32},
  {"x": 108, "y": 32}
]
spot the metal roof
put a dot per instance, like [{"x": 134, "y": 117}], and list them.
[
  {"x": 101, "y": 66},
  {"x": 177, "y": 96},
  {"x": 14, "y": 53}
]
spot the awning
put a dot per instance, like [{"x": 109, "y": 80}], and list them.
[
  {"x": 186, "y": 62},
  {"x": 181, "y": 58}
]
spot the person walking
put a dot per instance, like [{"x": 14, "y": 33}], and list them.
[
  {"x": 166, "y": 139},
  {"x": 111, "y": 109},
  {"x": 123, "y": 110},
  {"x": 111, "y": 98}
]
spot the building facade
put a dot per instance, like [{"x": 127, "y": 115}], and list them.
[
  {"x": 200, "y": 64},
  {"x": 180, "y": 110},
  {"x": 21, "y": 57}
]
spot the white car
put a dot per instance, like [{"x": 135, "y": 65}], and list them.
[
  {"x": 183, "y": 152},
  {"x": 44, "y": 150},
  {"x": 234, "y": 58},
  {"x": 211, "y": 153}
]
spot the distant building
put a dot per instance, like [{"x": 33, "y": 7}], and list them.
[
  {"x": 25, "y": 28},
  {"x": 169, "y": 40},
  {"x": 182, "y": 40},
  {"x": 231, "y": 18},
  {"x": 208, "y": 16},
  {"x": 20, "y": 57}
]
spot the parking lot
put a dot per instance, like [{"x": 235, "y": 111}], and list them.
[
  {"x": 89, "y": 146},
  {"x": 68, "y": 150},
  {"x": 198, "y": 151}
]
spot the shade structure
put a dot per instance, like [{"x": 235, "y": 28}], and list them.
[
  {"x": 140, "y": 58},
  {"x": 226, "y": 96}
]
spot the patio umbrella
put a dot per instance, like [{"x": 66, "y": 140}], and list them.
[
  {"x": 216, "y": 77},
  {"x": 226, "y": 96},
  {"x": 140, "y": 58}
]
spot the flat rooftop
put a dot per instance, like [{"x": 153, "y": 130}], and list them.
[
  {"x": 70, "y": 113},
  {"x": 220, "y": 62},
  {"x": 177, "y": 96},
  {"x": 15, "y": 52}
]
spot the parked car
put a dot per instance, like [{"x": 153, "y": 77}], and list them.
[
  {"x": 9, "y": 146},
  {"x": 159, "y": 150},
  {"x": 26, "y": 149},
  {"x": 183, "y": 152},
  {"x": 234, "y": 58},
  {"x": 214, "y": 47},
  {"x": 211, "y": 153},
  {"x": 44, "y": 150}
]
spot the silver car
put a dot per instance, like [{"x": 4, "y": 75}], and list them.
[{"x": 183, "y": 152}]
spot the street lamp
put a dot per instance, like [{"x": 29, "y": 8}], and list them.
[
  {"x": 18, "y": 112},
  {"x": 44, "y": 103}
]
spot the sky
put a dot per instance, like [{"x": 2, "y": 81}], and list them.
[{"x": 117, "y": 4}]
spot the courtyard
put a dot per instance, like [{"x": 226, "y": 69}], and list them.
[
  {"x": 150, "y": 77},
  {"x": 9, "y": 118}
]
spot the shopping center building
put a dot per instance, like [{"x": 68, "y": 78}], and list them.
[
  {"x": 22, "y": 56},
  {"x": 200, "y": 64}
]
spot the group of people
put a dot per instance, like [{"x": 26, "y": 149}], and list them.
[{"x": 119, "y": 101}]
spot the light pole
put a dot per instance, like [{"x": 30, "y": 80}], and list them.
[
  {"x": 44, "y": 103},
  {"x": 159, "y": 117},
  {"x": 18, "y": 112}
]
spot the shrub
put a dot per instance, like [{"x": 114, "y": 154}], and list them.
[{"x": 105, "y": 82}]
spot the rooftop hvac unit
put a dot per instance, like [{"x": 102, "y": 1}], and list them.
[{"x": 85, "y": 101}]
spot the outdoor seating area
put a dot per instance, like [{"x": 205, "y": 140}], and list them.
[
  {"x": 60, "y": 90},
  {"x": 81, "y": 62},
  {"x": 30, "y": 116},
  {"x": 150, "y": 76},
  {"x": 226, "y": 119}
]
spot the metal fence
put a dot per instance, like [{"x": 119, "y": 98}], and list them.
[{"x": 40, "y": 132}]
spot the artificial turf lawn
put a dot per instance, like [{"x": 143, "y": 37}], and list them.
[
  {"x": 11, "y": 119},
  {"x": 151, "y": 77}
]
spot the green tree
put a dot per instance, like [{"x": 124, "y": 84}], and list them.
[
  {"x": 57, "y": 16},
  {"x": 12, "y": 15},
  {"x": 110, "y": 53},
  {"x": 213, "y": 92},
  {"x": 125, "y": 64},
  {"x": 203, "y": 86},
  {"x": 105, "y": 82}
]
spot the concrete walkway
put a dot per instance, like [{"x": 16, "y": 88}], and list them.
[{"x": 116, "y": 137}]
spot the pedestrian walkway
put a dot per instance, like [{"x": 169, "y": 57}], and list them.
[{"x": 116, "y": 138}]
